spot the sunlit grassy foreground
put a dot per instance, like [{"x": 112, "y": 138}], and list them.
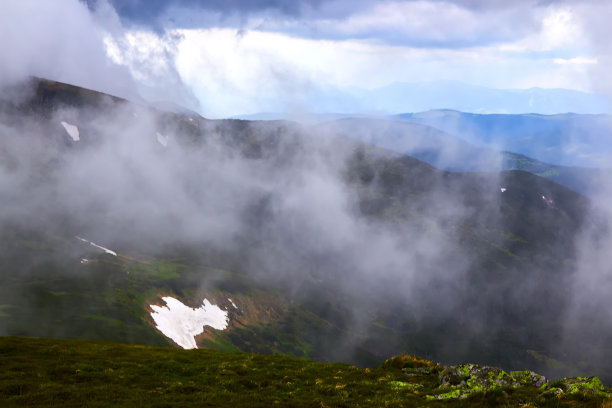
[{"x": 46, "y": 372}]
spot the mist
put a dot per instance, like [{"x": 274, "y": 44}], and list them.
[
  {"x": 587, "y": 331},
  {"x": 303, "y": 209},
  {"x": 118, "y": 184},
  {"x": 473, "y": 265},
  {"x": 278, "y": 197}
]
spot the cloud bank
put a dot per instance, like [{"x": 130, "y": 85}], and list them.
[
  {"x": 66, "y": 41},
  {"x": 232, "y": 58}
]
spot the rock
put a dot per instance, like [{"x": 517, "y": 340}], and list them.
[
  {"x": 465, "y": 379},
  {"x": 585, "y": 385}
]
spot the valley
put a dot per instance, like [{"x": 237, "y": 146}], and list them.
[{"x": 303, "y": 228}]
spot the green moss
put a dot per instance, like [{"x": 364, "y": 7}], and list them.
[
  {"x": 588, "y": 385},
  {"x": 397, "y": 384},
  {"x": 447, "y": 395},
  {"x": 220, "y": 343}
]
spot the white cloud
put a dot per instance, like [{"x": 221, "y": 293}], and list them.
[
  {"x": 558, "y": 30},
  {"x": 59, "y": 40},
  {"x": 235, "y": 73},
  {"x": 575, "y": 61},
  {"x": 251, "y": 70},
  {"x": 65, "y": 41}
]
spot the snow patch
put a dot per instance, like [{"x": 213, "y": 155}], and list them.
[
  {"x": 163, "y": 140},
  {"x": 548, "y": 201},
  {"x": 182, "y": 323},
  {"x": 72, "y": 131},
  {"x": 108, "y": 251},
  {"x": 232, "y": 302}
]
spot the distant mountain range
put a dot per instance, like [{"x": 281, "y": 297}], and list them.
[
  {"x": 570, "y": 149},
  {"x": 563, "y": 139},
  {"x": 400, "y": 97},
  {"x": 416, "y": 97}
]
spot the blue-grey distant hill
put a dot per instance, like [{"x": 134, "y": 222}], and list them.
[
  {"x": 435, "y": 138},
  {"x": 417, "y": 97},
  {"x": 563, "y": 139},
  {"x": 570, "y": 149},
  {"x": 400, "y": 97}
]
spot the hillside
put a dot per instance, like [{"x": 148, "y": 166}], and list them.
[
  {"x": 450, "y": 141},
  {"x": 562, "y": 139},
  {"x": 305, "y": 242},
  {"x": 39, "y": 372}
]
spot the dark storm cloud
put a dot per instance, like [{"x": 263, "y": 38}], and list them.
[
  {"x": 434, "y": 23},
  {"x": 153, "y": 12}
]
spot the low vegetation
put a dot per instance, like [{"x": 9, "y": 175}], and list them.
[{"x": 45, "y": 372}]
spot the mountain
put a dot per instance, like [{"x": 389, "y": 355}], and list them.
[
  {"x": 399, "y": 97},
  {"x": 459, "y": 141},
  {"x": 455, "y": 95},
  {"x": 122, "y": 222},
  {"x": 452, "y": 153},
  {"x": 562, "y": 139}
]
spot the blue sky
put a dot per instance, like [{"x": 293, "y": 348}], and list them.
[{"x": 225, "y": 57}]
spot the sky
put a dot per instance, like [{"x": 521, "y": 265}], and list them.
[{"x": 223, "y": 58}]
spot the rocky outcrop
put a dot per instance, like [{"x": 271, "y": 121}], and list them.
[{"x": 457, "y": 382}]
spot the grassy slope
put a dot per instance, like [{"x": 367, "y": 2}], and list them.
[
  {"x": 45, "y": 372},
  {"x": 580, "y": 179}
]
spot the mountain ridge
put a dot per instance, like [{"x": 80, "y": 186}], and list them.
[{"x": 331, "y": 248}]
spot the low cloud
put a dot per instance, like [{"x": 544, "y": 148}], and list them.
[{"x": 66, "y": 41}]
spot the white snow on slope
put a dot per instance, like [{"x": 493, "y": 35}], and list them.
[
  {"x": 182, "y": 323},
  {"x": 163, "y": 140},
  {"x": 72, "y": 131},
  {"x": 549, "y": 201},
  {"x": 108, "y": 251},
  {"x": 232, "y": 302}
]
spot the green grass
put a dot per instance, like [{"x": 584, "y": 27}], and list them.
[
  {"x": 161, "y": 270},
  {"x": 50, "y": 372},
  {"x": 105, "y": 319}
]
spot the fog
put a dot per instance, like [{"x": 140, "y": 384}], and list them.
[
  {"x": 300, "y": 208},
  {"x": 315, "y": 214},
  {"x": 588, "y": 318},
  {"x": 118, "y": 183},
  {"x": 282, "y": 201},
  {"x": 66, "y": 41}
]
